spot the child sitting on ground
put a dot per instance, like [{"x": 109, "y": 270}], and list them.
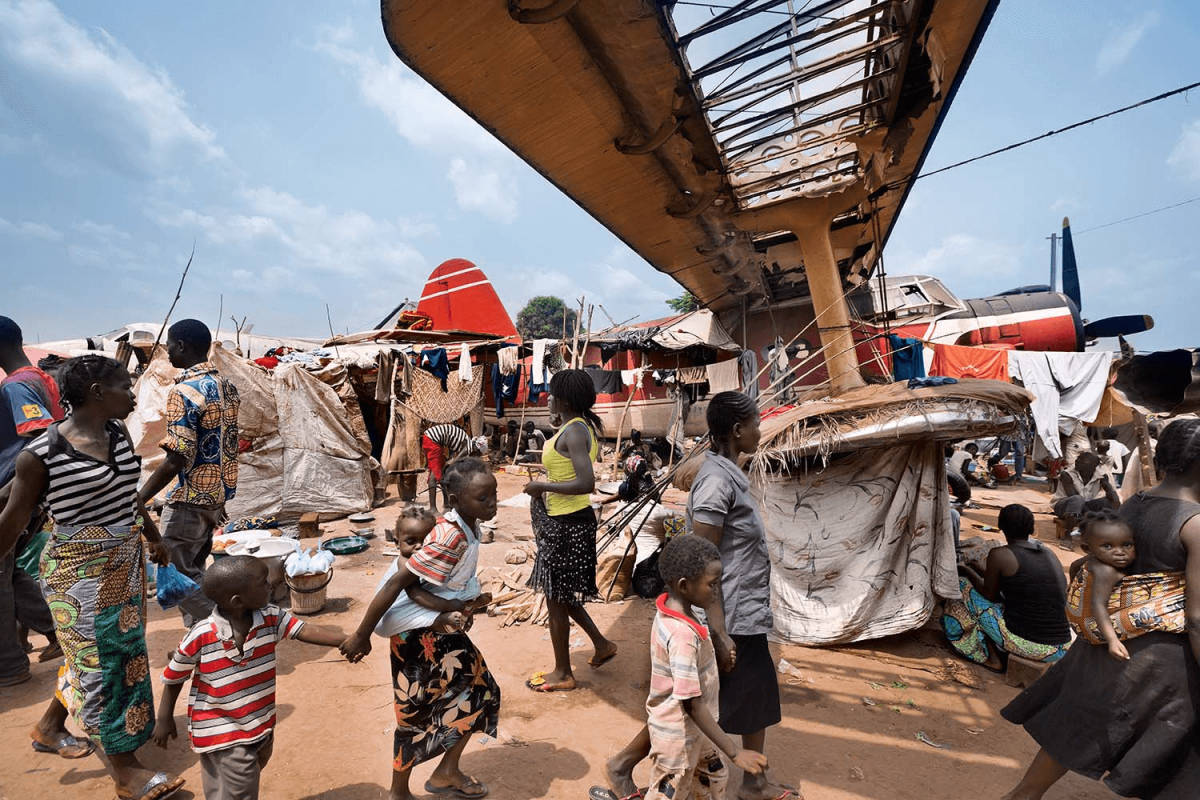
[
  {"x": 419, "y": 607},
  {"x": 682, "y": 706},
  {"x": 1108, "y": 542},
  {"x": 230, "y": 659}
]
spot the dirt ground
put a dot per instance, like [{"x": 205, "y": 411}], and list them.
[{"x": 849, "y": 732}]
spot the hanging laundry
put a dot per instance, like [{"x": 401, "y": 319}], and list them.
[
  {"x": 630, "y": 377},
  {"x": 536, "y": 390},
  {"x": 606, "y": 381},
  {"x": 540, "y": 368},
  {"x": 435, "y": 362},
  {"x": 724, "y": 376},
  {"x": 464, "y": 363},
  {"x": 554, "y": 357},
  {"x": 693, "y": 375},
  {"x": 385, "y": 365},
  {"x": 1067, "y": 389},
  {"x": 748, "y": 360},
  {"x": 924, "y": 383},
  {"x": 778, "y": 376},
  {"x": 908, "y": 357},
  {"x": 665, "y": 377},
  {"x": 504, "y": 387},
  {"x": 956, "y": 361},
  {"x": 507, "y": 357}
]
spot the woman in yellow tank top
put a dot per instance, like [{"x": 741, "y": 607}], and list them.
[{"x": 564, "y": 526}]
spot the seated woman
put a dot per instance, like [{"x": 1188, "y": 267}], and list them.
[{"x": 1017, "y": 607}]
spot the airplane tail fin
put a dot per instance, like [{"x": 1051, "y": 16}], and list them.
[{"x": 1070, "y": 270}]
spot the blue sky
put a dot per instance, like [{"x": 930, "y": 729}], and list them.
[{"x": 311, "y": 167}]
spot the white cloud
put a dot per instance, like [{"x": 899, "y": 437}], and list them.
[
  {"x": 1120, "y": 43},
  {"x": 74, "y": 85},
  {"x": 483, "y": 190},
  {"x": 961, "y": 255},
  {"x": 1185, "y": 156},
  {"x": 102, "y": 231},
  {"x": 33, "y": 230}
]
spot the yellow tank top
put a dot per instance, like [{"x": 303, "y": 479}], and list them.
[{"x": 559, "y": 469}]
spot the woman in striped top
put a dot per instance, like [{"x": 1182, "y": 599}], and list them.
[
  {"x": 441, "y": 444},
  {"x": 93, "y": 569}
]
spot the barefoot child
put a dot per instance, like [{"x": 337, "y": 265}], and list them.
[
  {"x": 419, "y": 607},
  {"x": 1108, "y": 542},
  {"x": 230, "y": 659},
  {"x": 683, "y": 703},
  {"x": 443, "y": 690}
]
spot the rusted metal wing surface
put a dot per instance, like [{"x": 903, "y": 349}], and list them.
[{"x": 676, "y": 125}]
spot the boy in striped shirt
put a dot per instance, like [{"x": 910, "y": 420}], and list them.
[
  {"x": 682, "y": 706},
  {"x": 230, "y": 659}
]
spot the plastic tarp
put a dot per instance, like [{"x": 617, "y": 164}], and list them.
[{"x": 861, "y": 549}]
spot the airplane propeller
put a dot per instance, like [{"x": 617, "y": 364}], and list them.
[{"x": 1124, "y": 325}]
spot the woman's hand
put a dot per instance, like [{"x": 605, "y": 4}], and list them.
[
  {"x": 158, "y": 553},
  {"x": 535, "y": 488},
  {"x": 726, "y": 652},
  {"x": 355, "y": 647}
]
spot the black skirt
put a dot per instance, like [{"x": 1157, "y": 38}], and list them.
[
  {"x": 565, "y": 566},
  {"x": 1135, "y": 723},
  {"x": 750, "y": 693}
]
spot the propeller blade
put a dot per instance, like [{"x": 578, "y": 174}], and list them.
[
  {"x": 1118, "y": 326},
  {"x": 1070, "y": 270}
]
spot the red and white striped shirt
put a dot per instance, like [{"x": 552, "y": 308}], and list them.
[{"x": 232, "y": 700}]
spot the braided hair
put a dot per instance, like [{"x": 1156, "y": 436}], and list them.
[
  {"x": 1178, "y": 447},
  {"x": 727, "y": 409},
  {"x": 79, "y": 374},
  {"x": 575, "y": 388}
]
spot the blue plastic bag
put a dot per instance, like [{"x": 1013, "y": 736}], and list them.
[{"x": 173, "y": 586}]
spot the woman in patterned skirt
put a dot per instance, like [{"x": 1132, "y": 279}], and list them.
[
  {"x": 564, "y": 526},
  {"x": 93, "y": 568}
]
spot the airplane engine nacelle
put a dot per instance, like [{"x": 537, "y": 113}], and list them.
[{"x": 1028, "y": 321}]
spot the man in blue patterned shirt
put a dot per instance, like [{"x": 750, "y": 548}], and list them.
[{"x": 201, "y": 446}]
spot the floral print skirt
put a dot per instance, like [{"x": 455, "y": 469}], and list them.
[
  {"x": 443, "y": 691},
  {"x": 94, "y": 580}
]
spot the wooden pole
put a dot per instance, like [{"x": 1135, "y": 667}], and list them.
[
  {"x": 1142, "y": 431},
  {"x": 178, "y": 294},
  {"x": 625, "y": 414}
]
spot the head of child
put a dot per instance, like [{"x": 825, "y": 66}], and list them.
[
  {"x": 635, "y": 437},
  {"x": 690, "y": 566},
  {"x": 733, "y": 423},
  {"x": 471, "y": 488},
  {"x": 1016, "y": 522},
  {"x": 511, "y": 427},
  {"x": 528, "y": 426},
  {"x": 971, "y": 448},
  {"x": 237, "y": 584},
  {"x": 1108, "y": 539},
  {"x": 572, "y": 394},
  {"x": 1086, "y": 464},
  {"x": 412, "y": 526}
]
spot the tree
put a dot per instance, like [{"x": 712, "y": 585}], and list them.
[
  {"x": 684, "y": 303},
  {"x": 542, "y": 318}
]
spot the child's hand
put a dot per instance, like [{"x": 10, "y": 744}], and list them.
[
  {"x": 355, "y": 647},
  {"x": 164, "y": 729},
  {"x": 1117, "y": 650},
  {"x": 726, "y": 652},
  {"x": 753, "y": 762}
]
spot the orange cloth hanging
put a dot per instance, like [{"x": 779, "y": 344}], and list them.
[{"x": 955, "y": 361}]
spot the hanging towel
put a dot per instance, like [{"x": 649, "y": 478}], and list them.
[
  {"x": 629, "y": 377},
  {"x": 908, "y": 357},
  {"x": 540, "y": 368},
  {"x": 434, "y": 362},
  {"x": 749, "y": 364},
  {"x": 693, "y": 375},
  {"x": 385, "y": 375},
  {"x": 507, "y": 357},
  {"x": 723, "y": 376},
  {"x": 464, "y": 363},
  {"x": 606, "y": 381},
  {"x": 956, "y": 361}
]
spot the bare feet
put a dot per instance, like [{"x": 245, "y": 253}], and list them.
[
  {"x": 620, "y": 776},
  {"x": 766, "y": 790},
  {"x": 604, "y": 653},
  {"x": 551, "y": 682}
]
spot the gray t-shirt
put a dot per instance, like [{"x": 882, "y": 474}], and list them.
[{"x": 721, "y": 496}]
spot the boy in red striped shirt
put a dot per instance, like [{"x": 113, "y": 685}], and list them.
[{"x": 230, "y": 658}]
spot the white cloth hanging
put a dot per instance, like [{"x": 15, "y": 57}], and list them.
[
  {"x": 1067, "y": 389},
  {"x": 507, "y": 357},
  {"x": 537, "y": 370},
  {"x": 724, "y": 376},
  {"x": 464, "y": 363}
]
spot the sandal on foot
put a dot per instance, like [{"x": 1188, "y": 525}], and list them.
[
  {"x": 52, "y": 651},
  {"x": 604, "y": 793},
  {"x": 594, "y": 662},
  {"x": 459, "y": 790},
  {"x": 66, "y": 746},
  {"x": 159, "y": 787},
  {"x": 537, "y": 683}
]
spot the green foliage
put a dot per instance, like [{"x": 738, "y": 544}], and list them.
[
  {"x": 542, "y": 318},
  {"x": 684, "y": 303}
]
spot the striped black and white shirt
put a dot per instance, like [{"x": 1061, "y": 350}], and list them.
[
  {"x": 451, "y": 437},
  {"x": 82, "y": 490}
]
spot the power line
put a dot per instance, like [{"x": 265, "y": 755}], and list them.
[
  {"x": 1072, "y": 126},
  {"x": 1138, "y": 216}
]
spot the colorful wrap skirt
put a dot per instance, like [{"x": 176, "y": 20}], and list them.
[
  {"x": 443, "y": 692},
  {"x": 973, "y": 622},
  {"x": 94, "y": 580},
  {"x": 1153, "y": 601}
]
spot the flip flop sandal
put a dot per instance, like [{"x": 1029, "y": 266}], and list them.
[
  {"x": 537, "y": 683},
  {"x": 603, "y": 793},
  {"x": 458, "y": 791},
  {"x": 80, "y": 748},
  {"x": 593, "y": 663},
  {"x": 159, "y": 787},
  {"x": 50, "y": 653}
]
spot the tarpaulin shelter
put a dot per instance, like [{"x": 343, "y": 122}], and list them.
[{"x": 853, "y": 495}]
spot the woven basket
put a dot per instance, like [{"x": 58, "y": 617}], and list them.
[{"x": 308, "y": 591}]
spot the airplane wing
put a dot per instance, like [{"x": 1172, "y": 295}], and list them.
[{"x": 677, "y": 124}]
